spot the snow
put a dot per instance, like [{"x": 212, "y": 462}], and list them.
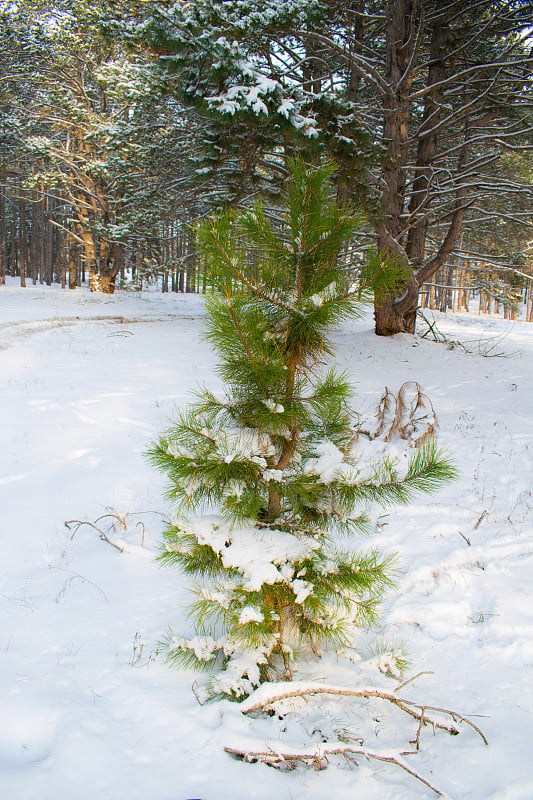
[
  {"x": 329, "y": 464},
  {"x": 88, "y": 709},
  {"x": 259, "y": 555},
  {"x": 243, "y": 96},
  {"x": 302, "y": 589},
  {"x": 250, "y": 614}
]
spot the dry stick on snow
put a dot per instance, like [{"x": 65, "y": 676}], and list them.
[
  {"x": 481, "y": 518},
  {"x": 77, "y": 523},
  {"x": 277, "y": 758},
  {"x": 195, "y": 690},
  {"x": 416, "y": 710},
  {"x": 414, "y": 678},
  {"x": 122, "y": 520},
  {"x": 139, "y": 525}
]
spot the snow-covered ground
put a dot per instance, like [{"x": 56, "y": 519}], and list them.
[{"x": 87, "y": 710}]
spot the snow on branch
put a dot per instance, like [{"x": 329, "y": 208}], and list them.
[{"x": 269, "y": 693}]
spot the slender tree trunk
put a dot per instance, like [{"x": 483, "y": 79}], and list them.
[
  {"x": 3, "y": 235},
  {"x": 23, "y": 243},
  {"x": 72, "y": 266},
  {"x": 62, "y": 259},
  {"x": 48, "y": 236},
  {"x": 191, "y": 262}
]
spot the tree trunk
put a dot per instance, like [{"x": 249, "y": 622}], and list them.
[
  {"x": 3, "y": 235},
  {"x": 72, "y": 253},
  {"x": 389, "y": 321},
  {"x": 191, "y": 262},
  {"x": 23, "y": 243},
  {"x": 104, "y": 283}
]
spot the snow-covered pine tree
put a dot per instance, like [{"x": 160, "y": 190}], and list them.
[{"x": 275, "y": 456}]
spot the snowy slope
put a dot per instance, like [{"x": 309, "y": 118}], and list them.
[{"x": 87, "y": 711}]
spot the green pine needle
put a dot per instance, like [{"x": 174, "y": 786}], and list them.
[{"x": 279, "y": 289}]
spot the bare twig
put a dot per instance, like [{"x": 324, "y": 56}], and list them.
[
  {"x": 70, "y": 580},
  {"x": 316, "y": 757},
  {"x": 432, "y": 328},
  {"x": 480, "y": 520},
  {"x": 137, "y": 650},
  {"x": 416, "y": 740},
  {"x": 115, "y": 516},
  {"x": 414, "y": 678},
  {"x": 75, "y": 524},
  {"x": 142, "y": 525},
  {"x": 409, "y": 415},
  {"x": 195, "y": 690}
]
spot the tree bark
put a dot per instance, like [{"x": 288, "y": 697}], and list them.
[
  {"x": 3, "y": 234},
  {"x": 23, "y": 243},
  {"x": 396, "y": 313},
  {"x": 388, "y": 321}
]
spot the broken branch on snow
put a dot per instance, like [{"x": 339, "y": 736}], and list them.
[
  {"x": 275, "y": 755},
  {"x": 267, "y": 694}
]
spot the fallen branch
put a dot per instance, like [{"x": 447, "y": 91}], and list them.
[
  {"x": 75, "y": 524},
  {"x": 482, "y": 347},
  {"x": 267, "y": 694},
  {"x": 277, "y": 756}
]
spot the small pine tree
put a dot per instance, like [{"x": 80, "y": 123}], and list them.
[{"x": 275, "y": 455}]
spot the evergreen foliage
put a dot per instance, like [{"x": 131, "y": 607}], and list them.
[
  {"x": 275, "y": 456},
  {"x": 419, "y": 104}
]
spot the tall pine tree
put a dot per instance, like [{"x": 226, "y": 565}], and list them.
[{"x": 275, "y": 456}]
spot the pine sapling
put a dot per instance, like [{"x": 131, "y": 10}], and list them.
[{"x": 274, "y": 457}]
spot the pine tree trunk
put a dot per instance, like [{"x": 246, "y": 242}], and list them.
[
  {"x": 72, "y": 265},
  {"x": 3, "y": 233},
  {"x": 48, "y": 235},
  {"x": 389, "y": 321},
  {"x": 191, "y": 262},
  {"x": 23, "y": 243},
  {"x": 62, "y": 261},
  {"x": 107, "y": 283}
]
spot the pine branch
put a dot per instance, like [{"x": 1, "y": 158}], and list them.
[
  {"x": 267, "y": 694},
  {"x": 276, "y": 755}
]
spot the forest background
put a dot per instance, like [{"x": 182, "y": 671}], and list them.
[{"x": 124, "y": 123}]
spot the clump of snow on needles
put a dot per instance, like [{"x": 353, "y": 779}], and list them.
[{"x": 259, "y": 555}]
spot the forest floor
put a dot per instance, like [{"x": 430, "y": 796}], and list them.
[{"x": 88, "y": 710}]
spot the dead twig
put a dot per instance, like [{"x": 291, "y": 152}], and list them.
[
  {"x": 485, "y": 347},
  {"x": 142, "y": 525},
  {"x": 75, "y": 577},
  {"x": 416, "y": 740},
  {"x": 122, "y": 520},
  {"x": 481, "y": 518},
  {"x": 408, "y": 415},
  {"x": 432, "y": 328},
  {"x": 196, "y": 692},
  {"x": 277, "y": 756},
  {"x": 137, "y": 650},
  {"x": 414, "y": 678},
  {"x": 75, "y": 524}
]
